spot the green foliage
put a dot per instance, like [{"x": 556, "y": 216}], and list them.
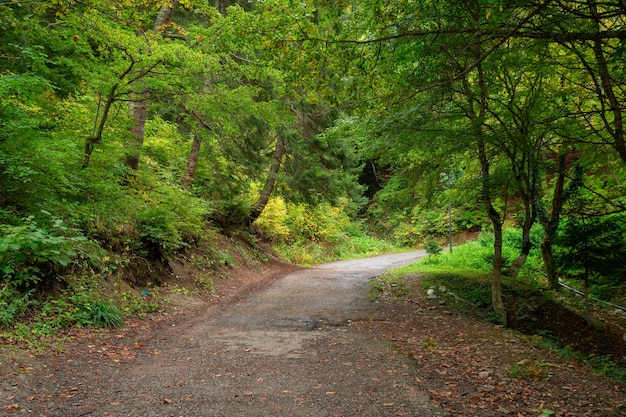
[
  {"x": 28, "y": 250},
  {"x": 600, "y": 365},
  {"x": 474, "y": 255},
  {"x": 432, "y": 247},
  {"x": 32, "y": 319},
  {"x": 534, "y": 370},
  {"x": 595, "y": 243},
  {"x": 14, "y": 304},
  {"x": 308, "y": 235},
  {"x": 474, "y": 289},
  {"x": 102, "y": 314},
  {"x": 429, "y": 344}
]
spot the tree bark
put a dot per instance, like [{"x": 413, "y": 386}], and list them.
[
  {"x": 477, "y": 117},
  {"x": 192, "y": 160},
  {"x": 138, "y": 105},
  {"x": 496, "y": 221},
  {"x": 270, "y": 182},
  {"x": 164, "y": 15},
  {"x": 139, "y": 113},
  {"x": 96, "y": 136},
  {"x": 530, "y": 216},
  {"x": 550, "y": 225}
]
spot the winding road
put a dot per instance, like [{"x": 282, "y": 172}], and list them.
[{"x": 292, "y": 349}]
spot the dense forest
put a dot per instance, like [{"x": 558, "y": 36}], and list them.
[{"x": 135, "y": 132}]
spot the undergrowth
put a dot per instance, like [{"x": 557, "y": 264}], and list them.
[{"x": 465, "y": 274}]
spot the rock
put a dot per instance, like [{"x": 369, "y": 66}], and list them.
[{"x": 430, "y": 291}]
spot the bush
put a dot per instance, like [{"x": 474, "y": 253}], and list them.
[
  {"x": 28, "y": 250},
  {"x": 103, "y": 314},
  {"x": 432, "y": 247}
]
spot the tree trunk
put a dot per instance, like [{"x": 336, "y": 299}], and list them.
[
  {"x": 164, "y": 15},
  {"x": 529, "y": 221},
  {"x": 139, "y": 113},
  {"x": 550, "y": 224},
  {"x": 606, "y": 93},
  {"x": 138, "y": 108},
  {"x": 496, "y": 221},
  {"x": 270, "y": 182},
  {"x": 496, "y": 282},
  {"x": 96, "y": 136},
  {"x": 548, "y": 262},
  {"x": 192, "y": 160},
  {"x": 477, "y": 118}
]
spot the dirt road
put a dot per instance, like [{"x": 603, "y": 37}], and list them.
[{"x": 288, "y": 350}]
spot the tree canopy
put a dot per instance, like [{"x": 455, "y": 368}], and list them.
[{"x": 132, "y": 125}]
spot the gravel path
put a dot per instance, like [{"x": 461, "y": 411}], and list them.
[{"x": 288, "y": 350}]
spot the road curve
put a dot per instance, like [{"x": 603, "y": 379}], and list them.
[{"x": 293, "y": 349}]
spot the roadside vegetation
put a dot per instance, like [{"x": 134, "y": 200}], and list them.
[
  {"x": 216, "y": 134},
  {"x": 555, "y": 321}
]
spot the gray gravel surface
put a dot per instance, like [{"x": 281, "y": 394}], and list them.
[{"x": 292, "y": 349}]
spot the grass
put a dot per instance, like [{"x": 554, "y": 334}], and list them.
[{"x": 466, "y": 275}]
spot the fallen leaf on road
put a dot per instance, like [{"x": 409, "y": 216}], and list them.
[{"x": 12, "y": 406}]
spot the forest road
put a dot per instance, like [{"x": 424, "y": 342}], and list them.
[{"x": 292, "y": 349}]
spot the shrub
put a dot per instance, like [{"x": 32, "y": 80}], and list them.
[
  {"x": 27, "y": 250},
  {"x": 432, "y": 247}
]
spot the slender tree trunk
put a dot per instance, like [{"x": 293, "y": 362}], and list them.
[
  {"x": 96, "y": 137},
  {"x": 138, "y": 105},
  {"x": 496, "y": 221},
  {"x": 529, "y": 221},
  {"x": 548, "y": 262},
  {"x": 164, "y": 15},
  {"x": 270, "y": 182},
  {"x": 139, "y": 113},
  {"x": 196, "y": 144},
  {"x": 477, "y": 117},
  {"x": 550, "y": 225},
  {"x": 192, "y": 160}
]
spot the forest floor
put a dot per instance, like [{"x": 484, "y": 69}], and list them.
[{"x": 460, "y": 365}]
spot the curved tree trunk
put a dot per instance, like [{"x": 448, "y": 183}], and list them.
[
  {"x": 192, "y": 160},
  {"x": 613, "y": 108},
  {"x": 270, "y": 182},
  {"x": 529, "y": 220},
  {"x": 477, "y": 115},
  {"x": 551, "y": 223},
  {"x": 496, "y": 221}
]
